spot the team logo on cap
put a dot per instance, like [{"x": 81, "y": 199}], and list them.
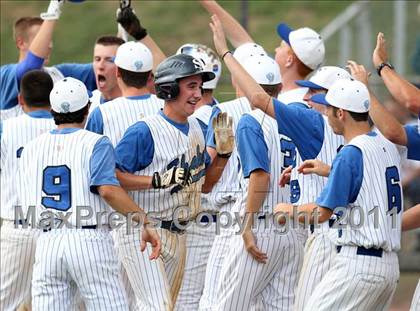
[
  {"x": 270, "y": 77},
  {"x": 65, "y": 107},
  {"x": 366, "y": 104},
  {"x": 138, "y": 64},
  {"x": 197, "y": 64}
]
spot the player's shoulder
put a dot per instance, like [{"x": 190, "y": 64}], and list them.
[{"x": 4, "y": 69}]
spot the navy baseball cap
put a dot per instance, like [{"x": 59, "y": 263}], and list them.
[{"x": 283, "y": 30}]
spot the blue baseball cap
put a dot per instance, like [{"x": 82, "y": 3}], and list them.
[{"x": 324, "y": 78}]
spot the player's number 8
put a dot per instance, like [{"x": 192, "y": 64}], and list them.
[
  {"x": 56, "y": 184},
  {"x": 393, "y": 188}
]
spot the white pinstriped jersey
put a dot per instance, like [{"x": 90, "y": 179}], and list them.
[
  {"x": 173, "y": 148},
  {"x": 122, "y": 112},
  {"x": 272, "y": 137},
  {"x": 17, "y": 132},
  {"x": 379, "y": 193},
  {"x": 95, "y": 100},
  {"x": 306, "y": 188},
  {"x": 228, "y": 188},
  {"x": 203, "y": 113},
  {"x": 64, "y": 185}
]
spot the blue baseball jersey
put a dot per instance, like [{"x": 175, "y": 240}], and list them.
[{"x": 8, "y": 86}]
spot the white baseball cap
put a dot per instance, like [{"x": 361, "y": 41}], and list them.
[
  {"x": 246, "y": 50},
  {"x": 134, "y": 56},
  {"x": 209, "y": 59},
  {"x": 306, "y": 43},
  {"x": 68, "y": 95},
  {"x": 325, "y": 77},
  {"x": 350, "y": 95},
  {"x": 263, "y": 69}
]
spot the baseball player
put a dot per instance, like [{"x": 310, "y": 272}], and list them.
[
  {"x": 17, "y": 242},
  {"x": 165, "y": 172},
  {"x": 60, "y": 172},
  {"x": 227, "y": 191},
  {"x": 262, "y": 263},
  {"x": 200, "y": 236},
  {"x": 105, "y": 70},
  {"x": 365, "y": 270},
  {"x": 134, "y": 63},
  {"x": 24, "y": 31}
]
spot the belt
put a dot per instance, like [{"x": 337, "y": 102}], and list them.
[
  {"x": 82, "y": 227},
  {"x": 330, "y": 224},
  {"x": 375, "y": 252},
  {"x": 206, "y": 218},
  {"x": 171, "y": 226}
]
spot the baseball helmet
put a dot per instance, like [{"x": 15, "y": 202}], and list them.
[
  {"x": 174, "y": 68},
  {"x": 209, "y": 58}
]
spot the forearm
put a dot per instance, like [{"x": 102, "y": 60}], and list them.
[
  {"x": 213, "y": 173},
  {"x": 133, "y": 182},
  {"x": 403, "y": 91},
  {"x": 411, "y": 218},
  {"x": 387, "y": 124},
  {"x": 158, "y": 55},
  {"x": 119, "y": 200},
  {"x": 257, "y": 191},
  {"x": 253, "y": 91},
  {"x": 41, "y": 44},
  {"x": 305, "y": 211},
  {"x": 235, "y": 33}
]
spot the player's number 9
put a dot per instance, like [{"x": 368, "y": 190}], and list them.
[
  {"x": 56, "y": 184},
  {"x": 393, "y": 188}
]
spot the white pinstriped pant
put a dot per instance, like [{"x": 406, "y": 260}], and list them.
[
  {"x": 155, "y": 283},
  {"x": 317, "y": 260},
  {"x": 199, "y": 243},
  {"x": 67, "y": 259},
  {"x": 246, "y": 284},
  {"x": 17, "y": 258},
  {"x": 357, "y": 282},
  {"x": 415, "y": 304}
]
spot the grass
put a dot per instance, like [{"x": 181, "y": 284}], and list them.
[{"x": 173, "y": 23}]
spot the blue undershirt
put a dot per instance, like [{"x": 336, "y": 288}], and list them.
[
  {"x": 304, "y": 126},
  {"x": 345, "y": 179},
  {"x": 252, "y": 148},
  {"x": 413, "y": 142}
]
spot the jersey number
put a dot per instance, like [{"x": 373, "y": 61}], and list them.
[
  {"x": 289, "y": 152},
  {"x": 56, "y": 184},
  {"x": 294, "y": 191},
  {"x": 393, "y": 188}
]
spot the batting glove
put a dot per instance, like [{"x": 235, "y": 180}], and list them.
[
  {"x": 223, "y": 133},
  {"x": 54, "y": 10},
  {"x": 130, "y": 22},
  {"x": 171, "y": 177}
]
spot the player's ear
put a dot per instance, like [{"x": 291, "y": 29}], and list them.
[
  {"x": 118, "y": 73},
  {"x": 290, "y": 58},
  {"x": 20, "y": 43},
  {"x": 21, "y": 100}
]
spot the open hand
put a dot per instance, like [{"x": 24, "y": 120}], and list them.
[
  {"x": 150, "y": 235},
  {"x": 218, "y": 35},
  {"x": 251, "y": 246}
]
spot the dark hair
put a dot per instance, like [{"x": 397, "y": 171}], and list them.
[
  {"x": 134, "y": 79},
  {"x": 109, "y": 40},
  {"x": 35, "y": 88},
  {"x": 358, "y": 117},
  {"x": 70, "y": 117},
  {"x": 23, "y": 24},
  {"x": 272, "y": 90}
]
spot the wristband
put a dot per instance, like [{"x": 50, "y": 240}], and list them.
[
  {"x": 381, "y": 66},
  {"x": 225, "y": 53},
  {"x": 139, "y": 35}
]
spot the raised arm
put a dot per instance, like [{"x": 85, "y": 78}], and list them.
[
  {"x": 403, "y": 91},
  {"x": 387, "y": 124},
  {"x": 131, "y": 23},
  {"x": 235, "y": 33},
  {"x": 253, "y": 91}
]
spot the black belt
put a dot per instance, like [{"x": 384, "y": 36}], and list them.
[
  {"x": 82, "y": 227},
  {"x": 206, "y": 219},
  {"x": 171, "y": 226},
  {"x": 330, "y": 224},
  {"x": 376, "y": 252}
]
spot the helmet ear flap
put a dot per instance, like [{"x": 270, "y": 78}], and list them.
[{"x": 167, "y": 91}]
